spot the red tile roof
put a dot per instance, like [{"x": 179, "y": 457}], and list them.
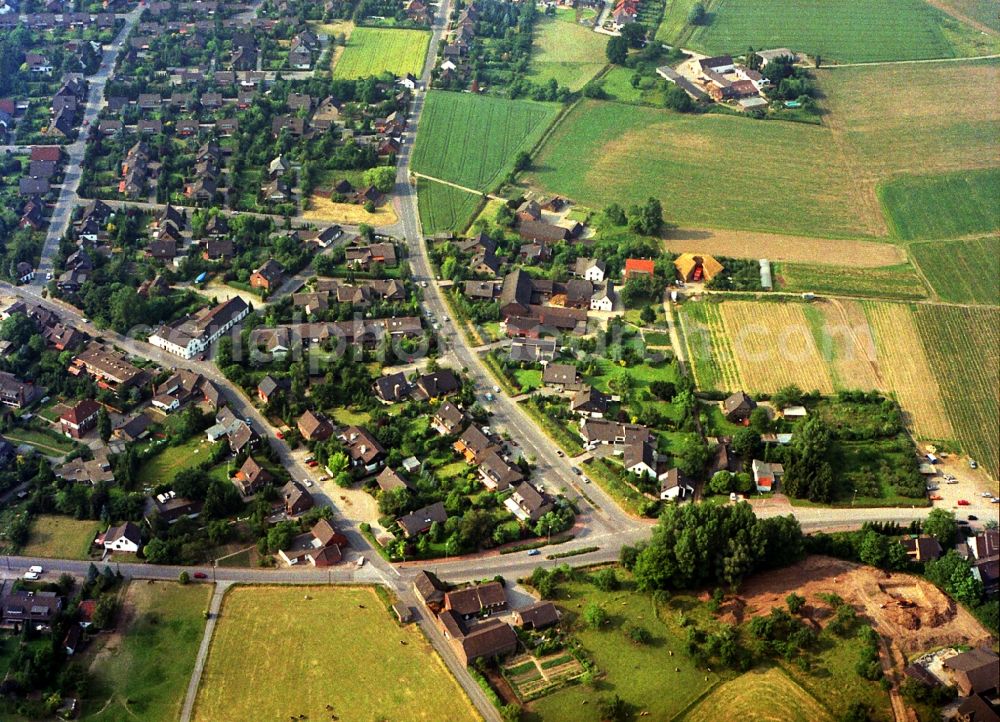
[{"x": 639, "y": 265}]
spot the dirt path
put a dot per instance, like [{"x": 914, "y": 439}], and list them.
[
  {"x": 963, "y": 59},
  {"x": 473, "y": 191},
  {"x": 795, "y": 249},
  {"x": 206, "y": 641}
]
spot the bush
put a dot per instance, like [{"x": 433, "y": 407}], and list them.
[
  {"x": 638, "y": 635},
  {"x": 184, "y": 578}
]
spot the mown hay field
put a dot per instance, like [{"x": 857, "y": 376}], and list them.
[
  {"x": 845, "y": 342},
  {"x": 839, "y": 30},
  {"x": 708, "y": 347},
  {"x": 383, "y": 670},
  {"x": 795, "y": 249},
  {"x": 900, "y": 281},
  {"x": 744, "y": 699},
  {"x": 916, "y": 119},
  {"x": 603, "y": 152},
  {"x": 567, "y": 52},
  {"x": 907, "y": 370},
  {"x": 944, "y": 206},
  {"x": 472, "y": 140},
  {"x": 372, "y": 51},
  {"x": 445, "y": 208},
  {"x": 774, "y": 346},
  {"x": 961, "y": 271},
  {"x": 962, "y": 345}
]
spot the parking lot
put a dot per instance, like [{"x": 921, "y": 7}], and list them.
[{"x": 970, "y": 485}]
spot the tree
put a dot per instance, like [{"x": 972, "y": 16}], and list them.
[
  {"x": 595, "y": 615},
  {"x": 647, "y": 315},
  {"x": 606, "y": 580},
  {"x": 639, "y": 635},
  {"x": 615, "y": 214},
  {"x": 617, "y": 50},
  {"x": 104, "y": 425},
  {"x": 746, "y": 443},
  {"x": 698, "y": 14},
  {"x": 522, "y": 161},
  {"x": 615, "y": 709},
  {"x": 647, "y": 218},
  {"x": 941, "y": 525},
  {"x": 721, "y": 482},
  {"x": 382, "y": 177},
  {"x": 795, "y": 602},
  {"x": 676, "y": 99},
  {"x": 874, "y": 549},
  {"x": 183, "y": 577},
  {"x": 787, "y": 396}
]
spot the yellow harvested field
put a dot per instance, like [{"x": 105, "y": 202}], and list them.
[
  {"x": 762, "y": 695},
  {"x": 774, "y": 346},
  {"x": 848, "y": 343},
  {"x": 333, "y": 29},
  {"x": 908, "y": 373},
  {"x": 798, "y": 249},
  {"x": 323, "y": 209}
]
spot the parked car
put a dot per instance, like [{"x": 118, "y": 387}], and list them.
[
  {"x": 935, "y": 497},
  {"x": 963, "y": 502},
  {"x": 576, "y": 470},
  {"x": 306, "y": 482},
  {"x": 973, "y": 464},
  {"x": 986, "y": 495},
  {"x": 973, "y": 517},
  {"x": 279, "y": 434},
  {"x": 36, "y": 569},
  {"x": 30, "y": 576},
  {"x": 559, "y": 452},
  {"x": 200, "y": 575},
  {"x": 361, "y": 561},
  {"x": 533, "y": 552}
]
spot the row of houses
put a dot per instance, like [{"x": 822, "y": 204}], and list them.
[
  {"x": 366, "y": 333},
  {"x": 192, "y": 335}
]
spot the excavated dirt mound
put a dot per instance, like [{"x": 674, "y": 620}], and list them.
[{"x": 914, "y": 613}]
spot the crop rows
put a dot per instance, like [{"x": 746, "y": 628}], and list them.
[{"x": 961, "y": 271}]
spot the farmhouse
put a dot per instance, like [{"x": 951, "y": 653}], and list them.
[
  {"x": 430, "y": 590},
  {"x": 537, "y": 616},
  {"x": 591, "y": 269},
  {"x": 638, "y": 267},
  {"x": 719, "y": 64},
  {"x": 491, "y": 638},
  {"x": 737, "y": 407},
  {"x": 479, "y": 600},
  {"x": 693, "y": 268}
]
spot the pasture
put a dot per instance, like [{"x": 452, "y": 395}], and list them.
[
  {"x": 146, "y": 670},
  {"x": 899, "y": 282},
  {"x": 383, "y": 670},
  {"x": 472, "y": 140},
  {"x": 373, "y": 51},
  {"x": 741, "y": 699},
  {"x": 604, "y": 152},
  {"x": 445, "y": 208},
  {"x": 60, "y": 537},
  {"x": 907, "y": 371},
  {"x": 567, "y": 52},
  {"x": 942, "y": 206},
  {"x": 961, "y": 344},
  {"x": 839, "y": 30},
  {"x": 961, "y": 271}
]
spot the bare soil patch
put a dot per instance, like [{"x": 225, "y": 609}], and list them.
[
  {"x": 801, "y": 249},
  {"x": 912, "y": 612},
  {"x": 323, "y": 209}
]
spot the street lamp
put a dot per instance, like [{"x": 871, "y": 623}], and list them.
[{"x": 854, "y": 498}]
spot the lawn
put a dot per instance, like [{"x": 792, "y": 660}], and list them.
[
  {"x": 635, "y": 672},
  {"x": 49, "y": 443},
  {"x": 146, "y": 672},
  {"x": 373, "y": 51},
  {"x": 528, "y": 379},
  {"x": 60, "y": 537},
  {"x": 604, "y": 152},
  {"x": 900, "y": 281},
  {"x": 961, "y": 344},
  {"x": 961, "y": 271},
  {"x": 617, "y": 84},
  {"x": 382, "y": 670},
  {"x": 569, "y": 53},
  {"x": 840, "y": 30},
  {"x": 472, "y": 140},
  {"x": 943, "y": 206},
  {"x": 165, "y": 465},
  {"x": 445, "y": 208},
  {"x": 351, "y": 417}
]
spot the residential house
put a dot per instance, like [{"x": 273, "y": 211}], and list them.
[
  {"x": 921, "y": 548},
  {"x": 473, "y": 444},
  {"x": 496, "y": 473},
  {"x": 251, "y": 477},
  {"x": 16, "y": 393},
  {"x": 528, "y": 503},
  {"x": 766, "y": 475},
  {"x": 270, "y": 387},
  {"x": 590, "y": 402},
  {"x": 267, "y": 276},
  {"x": 389, "y": 479},
  {"x": 76, "y": 421},
  {"x": 363, "y": 449},
  {"x": 478, "y": 600},
  {"x": 194, "y": 334},
  {"x": 392, "y": 388},
  {"x": 437, "y": 384},
  {"x": 738, "y": 406},
  {"x": 38, "y": 610},
  {"x": 170, "y": 507},
  {"x": 419, "y": 521},
  {"x": 295, "y": 498},
  {"x": 603, "y": 298},
  {"x": 561, "y": 376},
  {"x": 591, "y": 269},
  {"x": 539, "y": 615},
  {"x": 674, "y": 486},
  {"x": 321, "y": 546},
  {"x": 123, "y": 538},
  {"x": 314, "y": 426},
  {"x": 449, "y": 419},
  {"x": 974, "y": 672}
]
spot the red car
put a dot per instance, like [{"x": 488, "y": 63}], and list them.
[
  {"x": 200, "y": 575},
  {"x": 963, "y": 502},
  {"x": 315, "y": 463},
  {"x": 279, "y": 434}
]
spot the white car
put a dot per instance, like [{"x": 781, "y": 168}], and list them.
[
  {"x": 36, "y": 569},
  {"x": 361, "y": 561},
  {"x": 986, "y": 495},
  {"x": 30, "y": 576}
]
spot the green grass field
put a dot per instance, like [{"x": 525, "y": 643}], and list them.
[
  {"x": 48, "y": 443},
  {"x": 302, "y": 630},
  {"x": 961, "y": 345},
  {"x": 943, "y": 206},
  {"x": 983, "y": 11},
  {"x": 146, "y": 672},
  {"x": 373, "y": 51},
  {"x": 841, "y": 30},
  {"x": 472, "y": 140},
  {"x": 164, "y": 466},
  {"x": 60, "y": 537},
  {"x": 565, "y": 51},
  {"x": 604, "y": 152},
  {"x": 635, "y": 672},
  {"x": 445, "y": 208},
  {"x": 900, "y": 281},
  {"x": 741, "y": 699},
  {"x": 961, "y": 271}
]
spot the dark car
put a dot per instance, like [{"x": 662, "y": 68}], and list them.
[
  {"x": 200, "y": 575},
  {"x": 973, "y": 517}
]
